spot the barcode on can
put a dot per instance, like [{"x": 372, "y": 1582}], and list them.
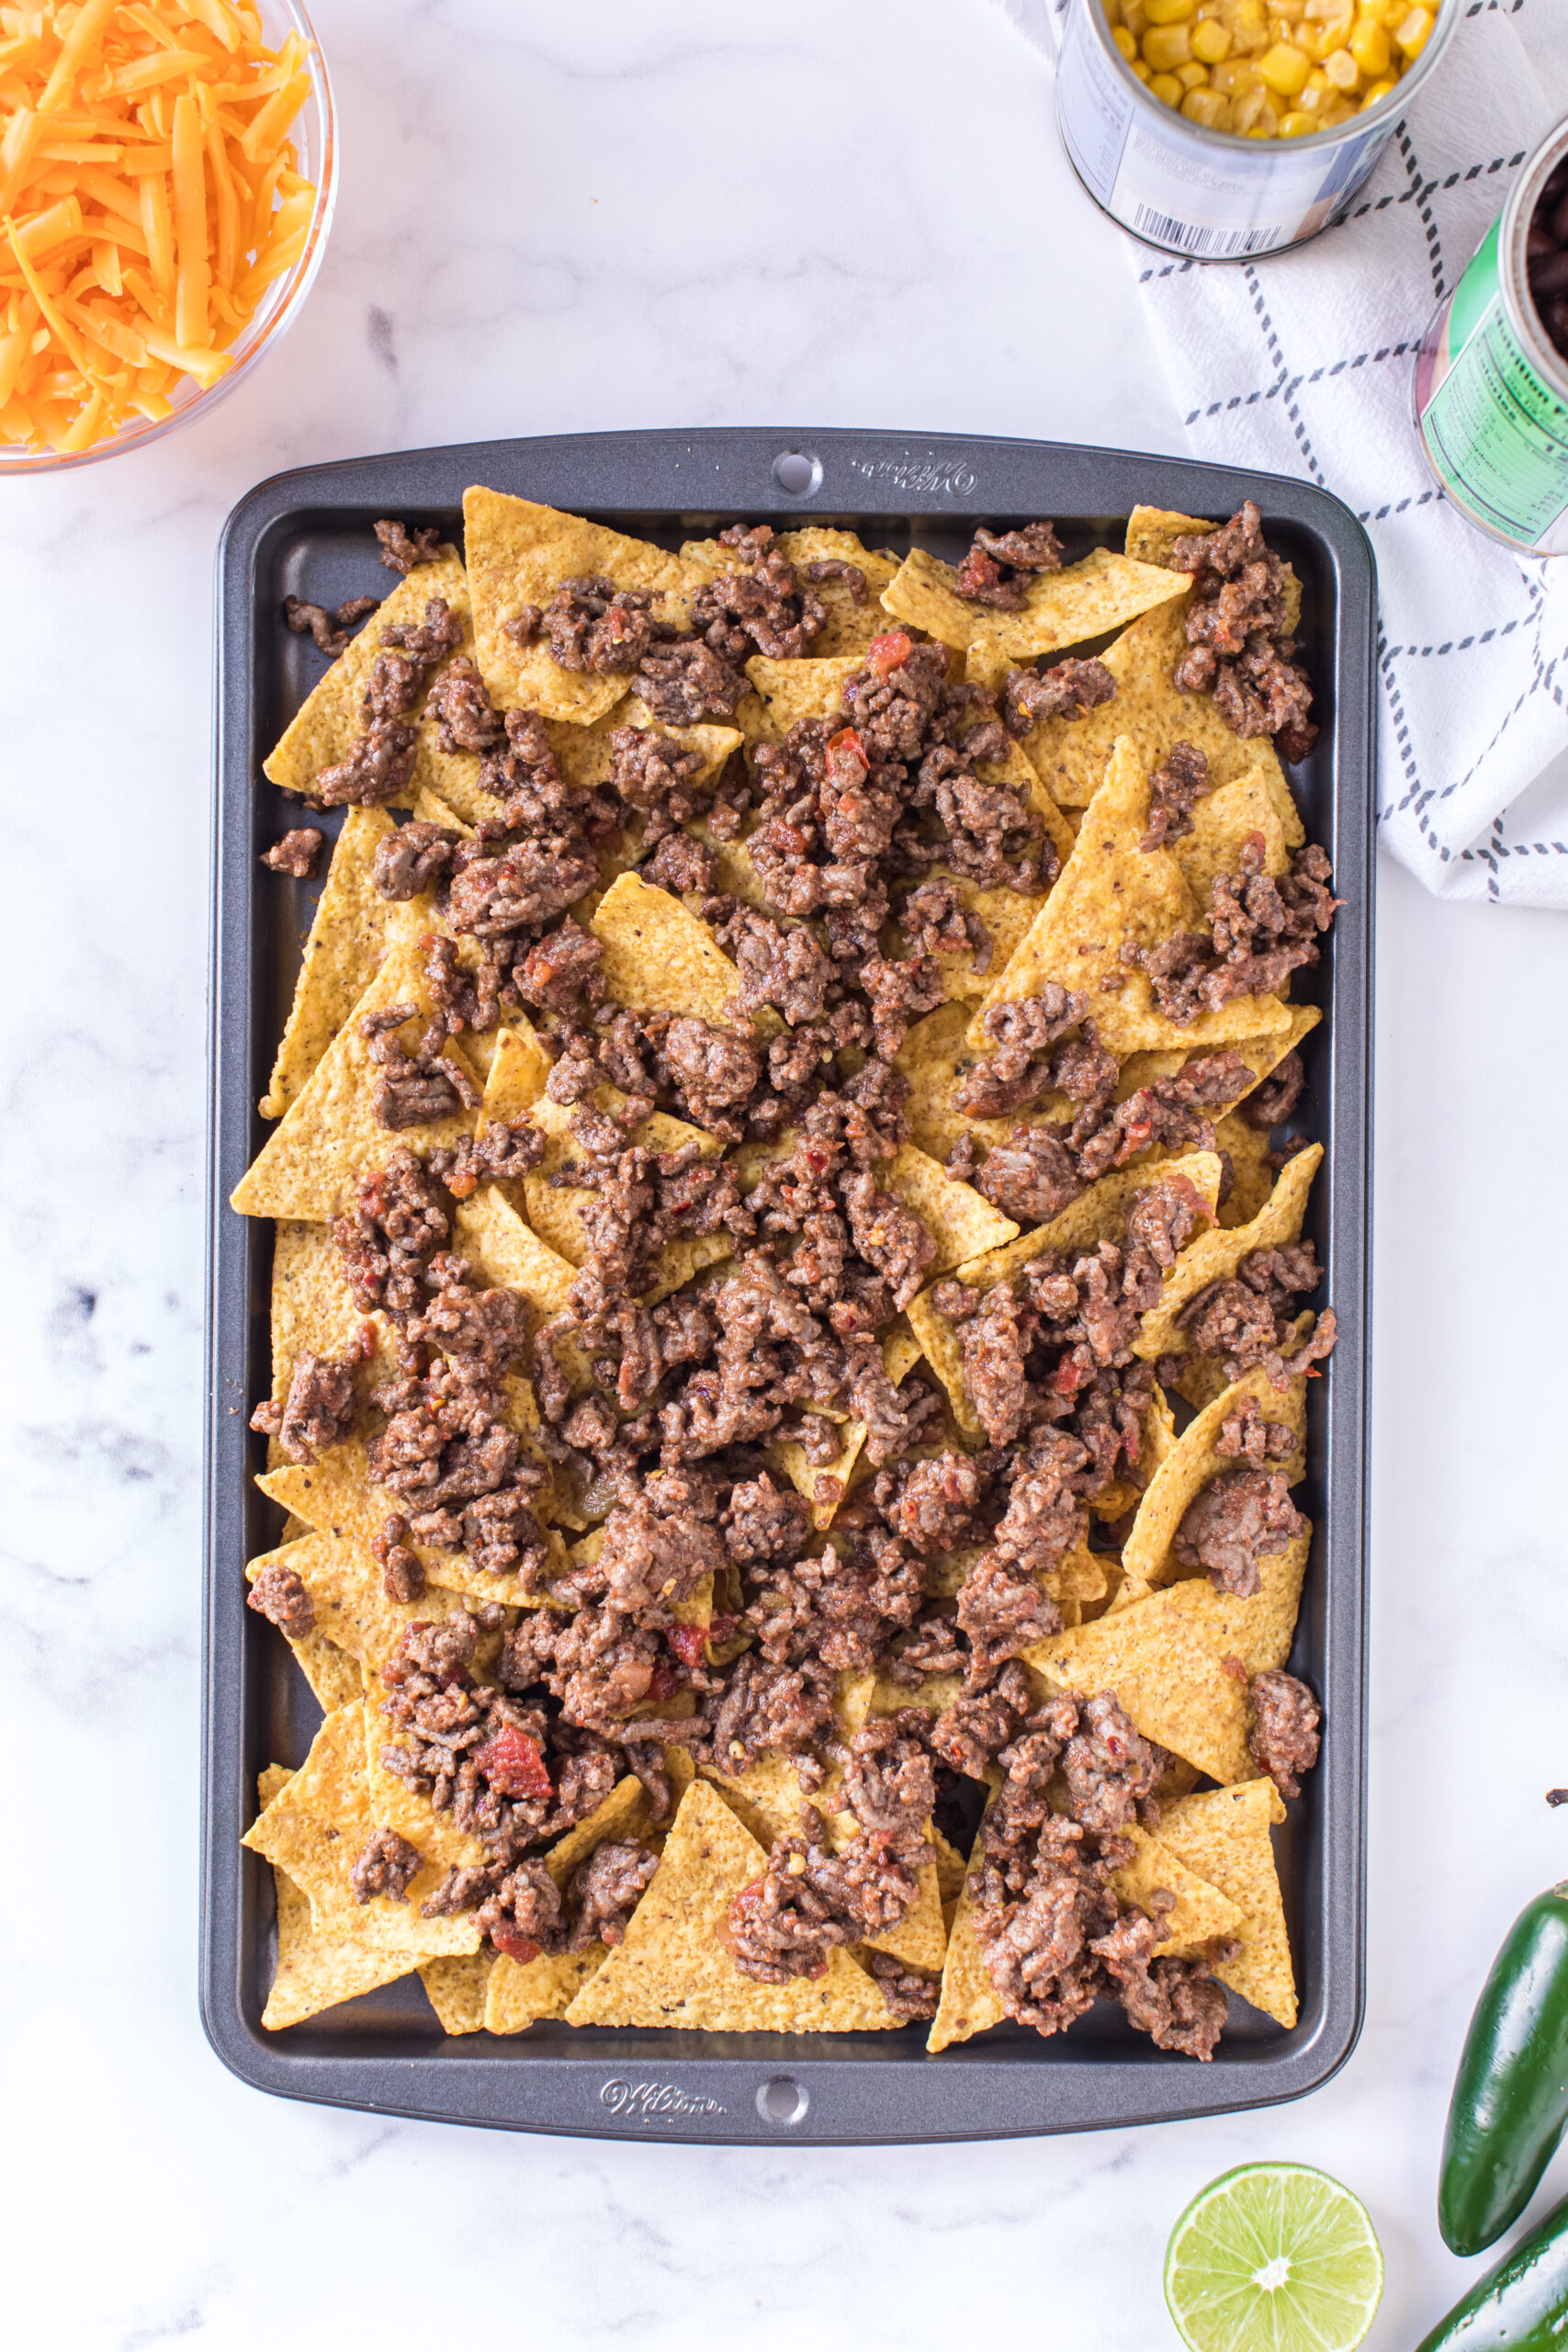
[{"x": 1188, "y": 237}]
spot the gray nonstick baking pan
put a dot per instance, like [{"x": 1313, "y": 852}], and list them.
[{"x": 309, "y": 533}]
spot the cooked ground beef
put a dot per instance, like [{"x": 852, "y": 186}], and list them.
[
  {"x": 1000, "y": 565},
  {"x": 1270, "y": 1104},
  {"x": 1174, "y": 788},
  {"x": 402, "y": 548},
  {"x": 278, "y": 1593},
  {"x": 812, "y": 1898},
  {"x": 911, "y": 1994},
  {"x": 329, "y": 631},
  {"x": 1250, "y": 1318},
  {"x": 1245, "y": 1436},
  {"x": 1110, "y": 1770},
  {"x": 296, "y": 855},
  {"x": 687, "y": 681},
  {"x": 1237, "y": 1518},
  {"x": 761, "y": 607},
  {"x": 320, "y": 1407},
  {"x": 1261, "y": 930},
  {"x": 414, "y": 1090},
  {"x": 387, "y": 1865},
  {"x": 1235, "y": 632},
  {"x": 1069, "y": 689},
  {"x": 1284, "y": 1735}
]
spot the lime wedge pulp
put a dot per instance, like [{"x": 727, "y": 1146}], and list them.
[{"x": 1273, "y": 2259}]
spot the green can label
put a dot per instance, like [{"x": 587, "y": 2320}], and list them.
[{"x": 1497, "y": 434}]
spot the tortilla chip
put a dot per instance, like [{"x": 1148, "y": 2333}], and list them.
[
  {"x": 658, "y": 957},
  {"x": 518, "y": 1069},
  {"x": 1006, "y": 914},
  {"x": 316, "y": 1972},
  {"x": 1193, "y": 1461},
  {"x": 673, "y": 1968},
  {"x": 519, "y": 554},
  {"x": 334, "y": 1678},
  {"x": 825, "y": 1485},
  {"x": 951, "y": 1867},
  {"x": 510, "y": 1255},
  {"x": 555, "y": 1211},
  {"x": 1252, "y": 1178},
  {"x": 1071, "y": 754},
  {"x": 1060, "y": 608},
  {"x": 1100, "y": 1213},
  {"x": 1201, "y": 1911},
  {"x": 960, "y": 1220},
  {"x": 316, "y": 1829},
  {"x": 1223, "y": 1834},
  {"x": 1112, "y": 895},
  {"x": 784, "y": 692},
  {"x": 968, "y": 2003},
  {"x": 1163, "y": 1658},
  {"x": 340, "y": 960},
  {"x": 352, "y": 1612},
  {"x": 1214, "y": 1256},
  {"x": 327, "y": 721},
  {"x": 456, "y": 1990},
  {"x": 1151, "y": 533},
  {"x": 1221, "y": 824},
  {"x": 329, "y": 1136},
  {"x": 313, "y": 1309}
]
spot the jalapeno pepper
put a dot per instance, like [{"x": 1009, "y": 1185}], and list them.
[
  {"x": 1510, "y": 2098},
  {"x": 1521, "y": 2305}
]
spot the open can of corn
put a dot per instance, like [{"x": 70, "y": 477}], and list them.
[
  {"x": 1224, "y": 128},
  {"x": 1490, "y": 386}
]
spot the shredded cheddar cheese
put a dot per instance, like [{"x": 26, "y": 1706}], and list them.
[{"x": 149, "y": 197}]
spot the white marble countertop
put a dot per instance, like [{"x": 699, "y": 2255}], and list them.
[{"x": 545, "y": 223}]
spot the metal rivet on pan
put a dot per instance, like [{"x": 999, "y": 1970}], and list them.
[
  {"x": 780, "y": 2101},
  {"x": 796, "y": 474}
]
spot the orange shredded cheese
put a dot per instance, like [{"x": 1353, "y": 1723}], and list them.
[{"x": 149, "y": 195}]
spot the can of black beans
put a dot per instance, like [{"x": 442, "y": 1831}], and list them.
[
  {"x": 1213, "y": 195},
  {"x": 1490, "y": 390}
]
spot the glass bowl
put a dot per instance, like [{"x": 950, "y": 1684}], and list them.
[{"x": 314, "y": 133}]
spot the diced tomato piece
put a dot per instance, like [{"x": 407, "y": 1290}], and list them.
[
  {"x": 688, "y": 1642},
  {"x": 511, "y": 1763},
  {"x": 664, "y": 1681},
  {"x": 516, "y": 1947},
  {"x": 844, "y": 746},
  {"x": 721, "y": 1625},
  {"x": 888, "y": 652}
]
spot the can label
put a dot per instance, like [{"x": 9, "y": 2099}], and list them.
[
  {"x": 1496, "y": 432},
  {"x": 1187, "y": 191}
]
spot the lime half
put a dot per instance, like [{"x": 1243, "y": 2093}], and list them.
[{"x": 1273, "y": 2259}]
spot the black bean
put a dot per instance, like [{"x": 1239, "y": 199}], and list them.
[
  {"x": 1549, "y": 276},
  {"x": 1554, "y": 318},
  {"x": 1558, "y": 222},
  {"x": 1538, "y": 241}
]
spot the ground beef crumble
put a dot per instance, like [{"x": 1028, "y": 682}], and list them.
[
  {"x": 1238, "y": 647},
  {"x": 1283, "y": 1741}
]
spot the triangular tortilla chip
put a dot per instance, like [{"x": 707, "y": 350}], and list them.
[
  {"x": 1151, "y": 532},
  {"x": 1223, "y": 1834},
  {"x": 518, "y": 1069},
  {"x": 968, "y": 2003},
  {"x": 335, "y": 1678},
  {"x": 493, "y": 1236},
  {"x": 522, "y": 1991},
  {"x": 1071, "y": 754},
  {"x": 1193, "y": 1462},
  {"x": 1112, "y": 895},
  {"x": 1252, "y": 1180},
  {"x": 674, "y": 1968},
  {"x": 519, "y": 554},
  {"x": 658, "y": 957},
  {"x": 1214, "y": 1256},
  {"x": 316, "y": 1970},
  {"x": 329, "y": 1136},
  {"x": 784, "y": 692},
  {"x": 313, "y": 1309},
  {"x": 1166, "y": 1657},
  {"x": 1060, "y": 608},
  {"x": 327, "y": 721},
  {"x": 1200, "y": 1912},
  {"x": 316, "y": 1829},
  {"x": 352, "y": 1608},
  {"x": 1221, "y": 824},
  {"x": 456, "y": 1990},
  {"x": 340, "y": 960},
  {"x": 1006, "y": 914},
  {"x": 960, "y": 1220}
]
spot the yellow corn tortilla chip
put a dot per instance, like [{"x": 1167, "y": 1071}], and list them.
[
  {"x": 1252, "y": 1178},
  {"x": 327, "y": 721},
  {"x": 329, "y": 1136},
  {"x": 1100, "y": 1213},
  {"x": 352, "y": 1612},
  {"x": 784, "y": 692},
  {"x": 313, "y": 1309},
  {"x": 315, "y": 1971},
  {"x": 519, "y": 554},
  {"x": 508, "y": 1254},
  {"x": 1223, "y": 1834},
  {"x": 584, "y": 753},
  {"x": 1071, "y": 754},
  {"x": 1006, "y": 915},
  {"x": 334, "y": 1678},
  {"x": 1200, "y": 1912},
  {"x": 341, "y": 956},
  {"x": 1214, "y": 1256},
  {"x": 555, "y": 1211},
  {"x": 1193, "y": 1461},
  {"x": 825, "y": 1485},
  {"x": 1060, "y": 608},
  {"x": 518, "y": 1069},
  {"x": 1222, "y": 822},
  {"x": 960, "y": 1220},
  {"x": 968, "y": 2003},
  {"x": 951, "y": 1867},
  {"x": 1151, "y": 533},
  {"x": 456, "y": 1990},
  {"x": 673, "y": 1968},
  {"x": 522, "y": 1991},
  {"x": 658, "y": 957},
  {"x": 316, "y": 1829},
  {"x": 1164, "y": 1657}
]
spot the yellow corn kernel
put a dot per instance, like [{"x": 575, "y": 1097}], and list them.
[
  {"x": 1207, "y": 106},
  {"x": 1414, "y": 32},
  {"x": 1256, "y": 114},
  {"x": 1331, "y": 12},
  {"x": 1165, "y": 47},
  {"x": 1135, "y": 18},
  {"x": 1342, "y": 69},
  {"x": 1392, "y": 12},
  {"x": 1167, "y": 89},
  {"x": 1236, "y": 77},
  {"x": 1284, "y": 69},
  {"x": 1141, "y": 70},
  {"x": 1331, "y": 40},
  {"x": 1168, "y": 12},
  {"x": 1193, "y": 76},
  {"x": 1295, "y": 125},
  {"x": 1377, "y": 90},
  {"x": 1317, "y": 82},
  {"x": 1250, "y": 25},
  {"x": 1211, "y": 41},
  {"x": 1338, "y": 111},
  {"x": 1370, "y": 48},
  {"x": 1125, "y": 42}
]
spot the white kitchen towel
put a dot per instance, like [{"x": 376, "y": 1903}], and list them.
[{"x": 1302, "y": 364}]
